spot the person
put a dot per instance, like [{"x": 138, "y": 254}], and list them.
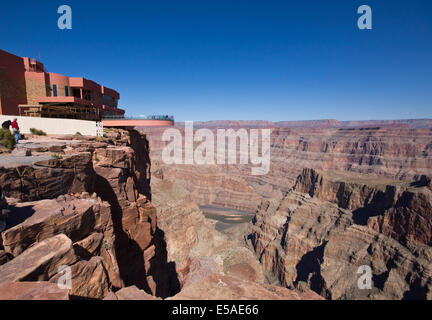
[
  {"x": 6, "y": 124},
  {"x": 15, "y": 129}
]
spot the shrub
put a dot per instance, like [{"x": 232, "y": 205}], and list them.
[
  {"x": 7, "y": 139},
  {"x": 56, "y": 156},
  {"x": 99, "y": 139},
  {"x": 78, "y": 133},
  {"x": 37, "y": 132}
]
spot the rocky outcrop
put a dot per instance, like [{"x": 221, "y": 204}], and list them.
[
  {"x": 40, "y": 262},
  {"x": 89, "y": 279},
  {"x": 399, "y": 210},
  {"x": 76, "y": 217},
  {"x": 95, "y": 195},
  {"x": 48, "y": 179},
  {"x": 329, "y": 225}
]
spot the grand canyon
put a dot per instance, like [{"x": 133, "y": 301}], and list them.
[{"x": 338, "y": 196}]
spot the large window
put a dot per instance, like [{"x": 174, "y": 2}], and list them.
[
  {"x": 107, "y": 100},
  {"x": 87, "y": 95},
  {"x": 54, "y": 92}
]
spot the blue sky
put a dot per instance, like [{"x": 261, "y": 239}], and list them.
[{"x": 243, "y": 60}]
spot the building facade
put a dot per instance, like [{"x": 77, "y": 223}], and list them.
[{"x": 27, "y": 89}]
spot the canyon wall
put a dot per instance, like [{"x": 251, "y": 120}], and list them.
[
  {"x": 364, "y": 201},
  {"x": 393, "y": 153},
  {"x": 331, "y": 224},
  {"x": 93, "y": 199}
]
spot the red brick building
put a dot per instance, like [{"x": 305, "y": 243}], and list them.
[{"x": 27, "y": 89}]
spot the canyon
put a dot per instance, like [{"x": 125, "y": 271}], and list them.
[
  {"x": 393, "y": 153},
  {"x": 129, "y": 226},
  {"x": 336, "y": 198},
  {"x": 92, "y": 205}
]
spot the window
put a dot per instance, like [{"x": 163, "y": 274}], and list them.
[
  {"x": 87, "y": 95},
  {"x": 54, "y": 90},
  {"x": 67, "y": 91},
  {"x": 107, "y": 99}
]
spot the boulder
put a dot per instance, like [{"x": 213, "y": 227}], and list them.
[
  {"x": 43, "y": 219},
  {"x": 48, "y": 179},
  {"x": 89, "y": 279},
  {"x": 116, "y": 157},
  {"x": 39, "y": 262},
  {"x": 89, "y": 246}
]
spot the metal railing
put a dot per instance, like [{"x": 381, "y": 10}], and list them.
[{"x": 149, "y": 117}]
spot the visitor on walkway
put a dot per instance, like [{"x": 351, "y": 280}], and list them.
[{"x": 15, "y": 129}]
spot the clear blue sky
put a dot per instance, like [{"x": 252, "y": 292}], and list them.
[{"x": 216, "y": 60}]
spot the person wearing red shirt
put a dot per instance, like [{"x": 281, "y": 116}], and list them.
[{"x": 15, "y": 129}]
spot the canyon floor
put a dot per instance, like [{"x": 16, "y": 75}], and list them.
[{"x": 128, "y": 226}]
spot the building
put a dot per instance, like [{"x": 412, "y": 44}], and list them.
[{"x": 27, "y": 89}]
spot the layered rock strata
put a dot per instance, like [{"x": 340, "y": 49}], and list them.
[
  {"x": 82, "y": 207},
  {"x": 330, "y": 225},
  {"x": 393, "y": 153}
]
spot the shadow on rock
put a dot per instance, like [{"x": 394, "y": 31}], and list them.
[
  {"x": 130, "y": 256},
  {"x": 18, "y": 215}
]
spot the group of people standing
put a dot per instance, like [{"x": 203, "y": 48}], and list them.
[{"x": 15, "y": 128}]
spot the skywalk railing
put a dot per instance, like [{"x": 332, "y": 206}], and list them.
[{"x": 141, "y": 117}]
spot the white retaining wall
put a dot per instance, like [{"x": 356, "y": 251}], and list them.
[{"x": 57, "y": 126}]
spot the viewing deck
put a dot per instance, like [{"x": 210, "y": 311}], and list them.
[{"x": 141, "y": 121}]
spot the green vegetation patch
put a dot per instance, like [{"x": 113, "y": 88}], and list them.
[
  {"x": 37, "y": 132},
  {"x": 7, "y": 139}
]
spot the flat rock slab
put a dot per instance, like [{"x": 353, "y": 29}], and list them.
[
  {"x": 89, "y": 279},
  {"x": 13, "y": 161},
  {"x": 36, "y": 221},
  {"x": 39, "y": 262},
  {"x": 39, "y": 290}
]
